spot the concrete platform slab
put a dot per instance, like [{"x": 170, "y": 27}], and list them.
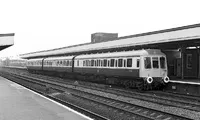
[
  {"x": 186, "y": 81},
  {"x": 20, "y": 103}
]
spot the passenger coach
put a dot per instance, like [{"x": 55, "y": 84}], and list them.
[
  {"x": 35, "y": 65},
  {"x": 130, "y": 68},
  {"x": 144, "y": 69}
]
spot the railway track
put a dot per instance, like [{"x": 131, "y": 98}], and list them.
[
  {"x": 163, "y": 98},
  {"x": 121, "y": 107}
]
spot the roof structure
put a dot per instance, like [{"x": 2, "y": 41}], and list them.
[
  {"x": 6, "y": 40},
  {"x": 163, "y": 39},
  {"x": 122, "y": 54}
]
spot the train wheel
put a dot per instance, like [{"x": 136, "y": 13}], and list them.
[
  {"x": 148, "y": 87},
  {"x": 127, "y": 84},
  {"x": 140, "y": 86}
]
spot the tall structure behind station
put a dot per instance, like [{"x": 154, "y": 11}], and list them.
[{"x": 102, "y": 37}]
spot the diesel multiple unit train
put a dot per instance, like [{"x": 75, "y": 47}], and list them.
[{"x": 144, "y": 69}]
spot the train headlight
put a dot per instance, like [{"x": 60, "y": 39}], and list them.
[
  {"x": 149, "y": 80},
  {"x": 166, "y": 79}
]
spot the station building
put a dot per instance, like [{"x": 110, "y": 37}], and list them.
[
  {"x": 181, "y": 45},
  {"x": 6, "y": 40}
]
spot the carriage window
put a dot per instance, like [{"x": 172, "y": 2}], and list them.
[
  {"x": 104, "y": 62},
  {"x": 67, "y": 63},
  {"x": 147, "y": 62},
  {"x": 70, "y": 63},
  {"x": 138, "y": 63},
  {"x": 77, "y": 62},
  {"x": 155, "y": 62},
  {"x": 101, "y": 62},
  {"x": 89, "y": 63},
  {"x": 162, "y": 62},
  {"x": 92, "y": 63},
  {"x": 129, "y": 62},
  {"x": 112, "y": 62},
  {"x": 97, "y": 62},
  {"x": 119, "y": 62},
  {"x": 84, "y": 63}
]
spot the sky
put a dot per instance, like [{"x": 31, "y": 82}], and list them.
[{"x": 48, "y": 24}]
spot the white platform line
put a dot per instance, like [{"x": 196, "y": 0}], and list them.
[
  {"x": 82, "y": 115},
  {"x": 184, "y": 82}
]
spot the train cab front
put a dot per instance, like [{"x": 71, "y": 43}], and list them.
[{"x": 154, "y": 71}]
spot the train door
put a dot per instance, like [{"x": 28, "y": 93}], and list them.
[
  {"x": 159, "y": 67},
  {"x": 191, "y": 64},
  {"x": 155, "y": 66}
]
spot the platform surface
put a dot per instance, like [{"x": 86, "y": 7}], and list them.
[{"x": 19, "y": 103}]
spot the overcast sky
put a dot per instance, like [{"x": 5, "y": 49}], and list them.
[{"x": 48, "y": 24}]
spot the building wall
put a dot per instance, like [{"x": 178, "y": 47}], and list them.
[
  {"x": 102, "y": 37},
  {"x": 191, "y": 63},
  {"x": 172, "y": 57}
]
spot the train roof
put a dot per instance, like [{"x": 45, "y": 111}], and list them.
[
  {"x": 123, "y": 54},
  {"x": 18, "y": 59},
  {"x": 59, "y": 58},
  {"x": 36, "y": 59}
]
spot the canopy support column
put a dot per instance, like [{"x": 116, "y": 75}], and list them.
[{"x": 182, "y": 61}]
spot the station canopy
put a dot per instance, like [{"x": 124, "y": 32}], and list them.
[
  {"x": 173, "y": 38},
  {"x": 6, "y": 40}
]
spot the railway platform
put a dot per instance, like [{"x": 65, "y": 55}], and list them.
[
  {"x": 20, "y": 103},
  {"x": 186, "y": 86}
]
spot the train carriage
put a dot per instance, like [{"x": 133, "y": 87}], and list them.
[
  {"x": 17, "y": 62},
  {"x": 58, "y": 64},
  {"x": 35, "y": 65},
  {"x": 140, "y": 65},
  {"x": 144, "y": 69}
]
